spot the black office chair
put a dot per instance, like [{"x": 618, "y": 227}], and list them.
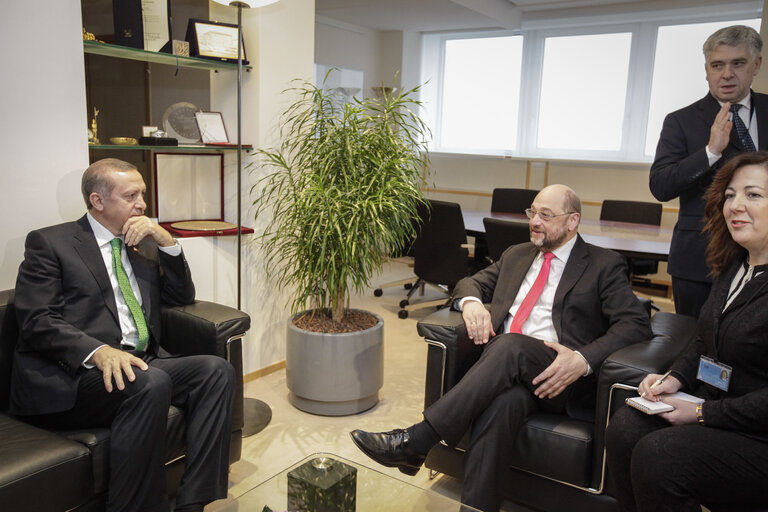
[
  {"x": 638, "y": 212},
  {"x": 512, "y": 200},
  {"x": 500, "y": 234},
  {"x": 440, "y": 253}
]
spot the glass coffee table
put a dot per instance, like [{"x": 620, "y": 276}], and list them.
[{"x": 324, "y": 482}]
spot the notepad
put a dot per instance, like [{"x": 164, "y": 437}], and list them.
[{"x": 649, "y": 407}]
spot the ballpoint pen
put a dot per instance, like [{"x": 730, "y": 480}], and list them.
[{"x": 658, "y": 381}]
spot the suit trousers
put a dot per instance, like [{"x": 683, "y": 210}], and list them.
[
  {"x": 654, "y": 466},
  {"x": 493, "y": 400},
  {"x": 689, "y": 296},
  {"x": 203, "y": 386}
]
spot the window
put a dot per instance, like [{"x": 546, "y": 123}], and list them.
[
  {"x": 564, "y": 91},
  {"x": 582, "y": 98},
  {"x": 481, "y": 97}
]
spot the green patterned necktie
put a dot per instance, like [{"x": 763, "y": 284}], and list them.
[{"x": 128, "y": 295}]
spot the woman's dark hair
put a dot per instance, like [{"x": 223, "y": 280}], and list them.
[{"x": 721, "y": 249}]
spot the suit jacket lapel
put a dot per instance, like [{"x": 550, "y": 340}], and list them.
[
  {"x": 512, "y": 285},
  {"x": 709, "y": 108},
  {"x": 85, "y": 244},
  {"x": 141, "y": 271},
  {"x": 574, "y": 268},
  {"x": 761, "y": 111}
]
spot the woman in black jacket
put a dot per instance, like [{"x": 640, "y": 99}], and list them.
[{"x": 714, "y": 453}]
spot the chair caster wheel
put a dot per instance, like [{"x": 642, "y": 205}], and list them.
[
  {"x": 402, "y": 314},
  {"x": 403, "y": 303},
  {"x": 377, "y": 292},
  {"x": 408, "y": 286}
]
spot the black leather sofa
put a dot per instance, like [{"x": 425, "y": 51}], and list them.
[
  {"x": 42, "y": 470},
  {"x": 558, "y": 460}
]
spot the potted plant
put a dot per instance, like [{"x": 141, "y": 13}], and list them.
[{"x": 340, "y": 194}]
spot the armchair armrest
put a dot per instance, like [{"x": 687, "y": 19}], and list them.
[
  {"x": 209, "y": 328},
  {"x": 450, "y": 352},
  {"x": 624, "y": 369},
  {"x": 671, "y": 334},
  {"x": 202, "y": 328}
]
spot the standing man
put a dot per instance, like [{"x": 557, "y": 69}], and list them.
[
  {"x": 696, "y": 141},
  {"x": 560, "y": 306},
  {"x": 88, "y": 298}
]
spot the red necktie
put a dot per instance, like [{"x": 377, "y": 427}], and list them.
[{"x": 533, "y": 295}]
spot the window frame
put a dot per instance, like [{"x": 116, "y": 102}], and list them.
[{"x": 643, "y": 29}]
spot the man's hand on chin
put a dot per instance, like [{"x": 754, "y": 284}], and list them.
[
  {"x": 137, "y": 228},
  {"x": 567, "y": 367},
  {"x": 113, "y": 363}
]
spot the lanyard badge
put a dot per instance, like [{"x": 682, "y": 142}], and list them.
[{"x": 713, "y": 373}]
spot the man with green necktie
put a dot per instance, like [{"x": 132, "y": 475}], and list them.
[{"x": 88, "y": 297}]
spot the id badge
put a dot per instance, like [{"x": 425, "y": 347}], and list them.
[{"x": 714, "y": 373}]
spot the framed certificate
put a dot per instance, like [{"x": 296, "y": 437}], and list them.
[
  {"x": 211, "y": 126},
  {"x": 213, "y": 40}
]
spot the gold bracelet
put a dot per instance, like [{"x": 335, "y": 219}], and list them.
[{"x": 699, "y": 415}]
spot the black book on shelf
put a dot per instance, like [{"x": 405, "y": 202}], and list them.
[{"x": 129, "y": 24}]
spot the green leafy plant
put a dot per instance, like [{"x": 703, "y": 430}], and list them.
[{"x": 341, "y": 192}]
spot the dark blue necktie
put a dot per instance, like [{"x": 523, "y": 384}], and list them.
[{"x": 741, "y": 129}]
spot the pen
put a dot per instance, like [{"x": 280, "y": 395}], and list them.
[{"x": 658, "y": 381}]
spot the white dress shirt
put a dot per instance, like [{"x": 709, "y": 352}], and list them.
[{"x": 104, "y": 238}]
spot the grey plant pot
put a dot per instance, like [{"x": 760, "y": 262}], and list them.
[{"x": 334, "y": 374}]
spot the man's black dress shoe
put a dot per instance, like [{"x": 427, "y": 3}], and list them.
[{"x": 391, "y": 449}]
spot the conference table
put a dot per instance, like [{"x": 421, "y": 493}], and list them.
[{"x": 632, "y": 240}]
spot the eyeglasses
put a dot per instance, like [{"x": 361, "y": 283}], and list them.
[{"x": 544, "y": 216}]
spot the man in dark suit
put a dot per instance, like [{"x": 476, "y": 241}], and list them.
[
  {"x": 88, "y": 298},
  {"x": 560, "y": 306},
  {"x": 696, "y": 141}
]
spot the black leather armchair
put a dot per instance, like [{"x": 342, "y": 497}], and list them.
[
  {"x": 42, "y": 470},
  {"x": 558, "y": 460}
]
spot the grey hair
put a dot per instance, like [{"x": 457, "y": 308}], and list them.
[
  {"x": 734, "y": 36},
  {"x": 572, "y": 202},
  {"x": 96, "y": 177}
]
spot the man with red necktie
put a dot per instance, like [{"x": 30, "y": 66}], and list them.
[{"x": 559, "y": 307}]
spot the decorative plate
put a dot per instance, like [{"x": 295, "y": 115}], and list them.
[
  {"x": 203, "y": 225},
  {"x": 179, "y": 122}
]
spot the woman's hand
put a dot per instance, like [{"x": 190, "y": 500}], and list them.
[
  {"x": 646, "y": 389},
  {"x": 684, "y": 413}
]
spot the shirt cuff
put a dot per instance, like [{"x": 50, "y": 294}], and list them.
[
  {"x": 712, "y": 157},
  {"x": 463, "y": 300},
  {"x": 89, "y": 366},
  {"x": 171, "y": 250},
  {"x": 589, "y": 368}
]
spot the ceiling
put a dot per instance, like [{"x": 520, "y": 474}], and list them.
[{"x": 433, "y": 15}]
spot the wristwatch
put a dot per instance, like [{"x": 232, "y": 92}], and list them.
[{"x": 699, "y": 415}]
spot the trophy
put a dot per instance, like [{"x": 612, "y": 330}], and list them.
[{"x": 93, "y": 131}]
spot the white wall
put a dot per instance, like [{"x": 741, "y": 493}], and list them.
[
  {"x": 279, "y": 40},
  {"x": 43, "y": 136},
  {"x": 377, "y": 54}
]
